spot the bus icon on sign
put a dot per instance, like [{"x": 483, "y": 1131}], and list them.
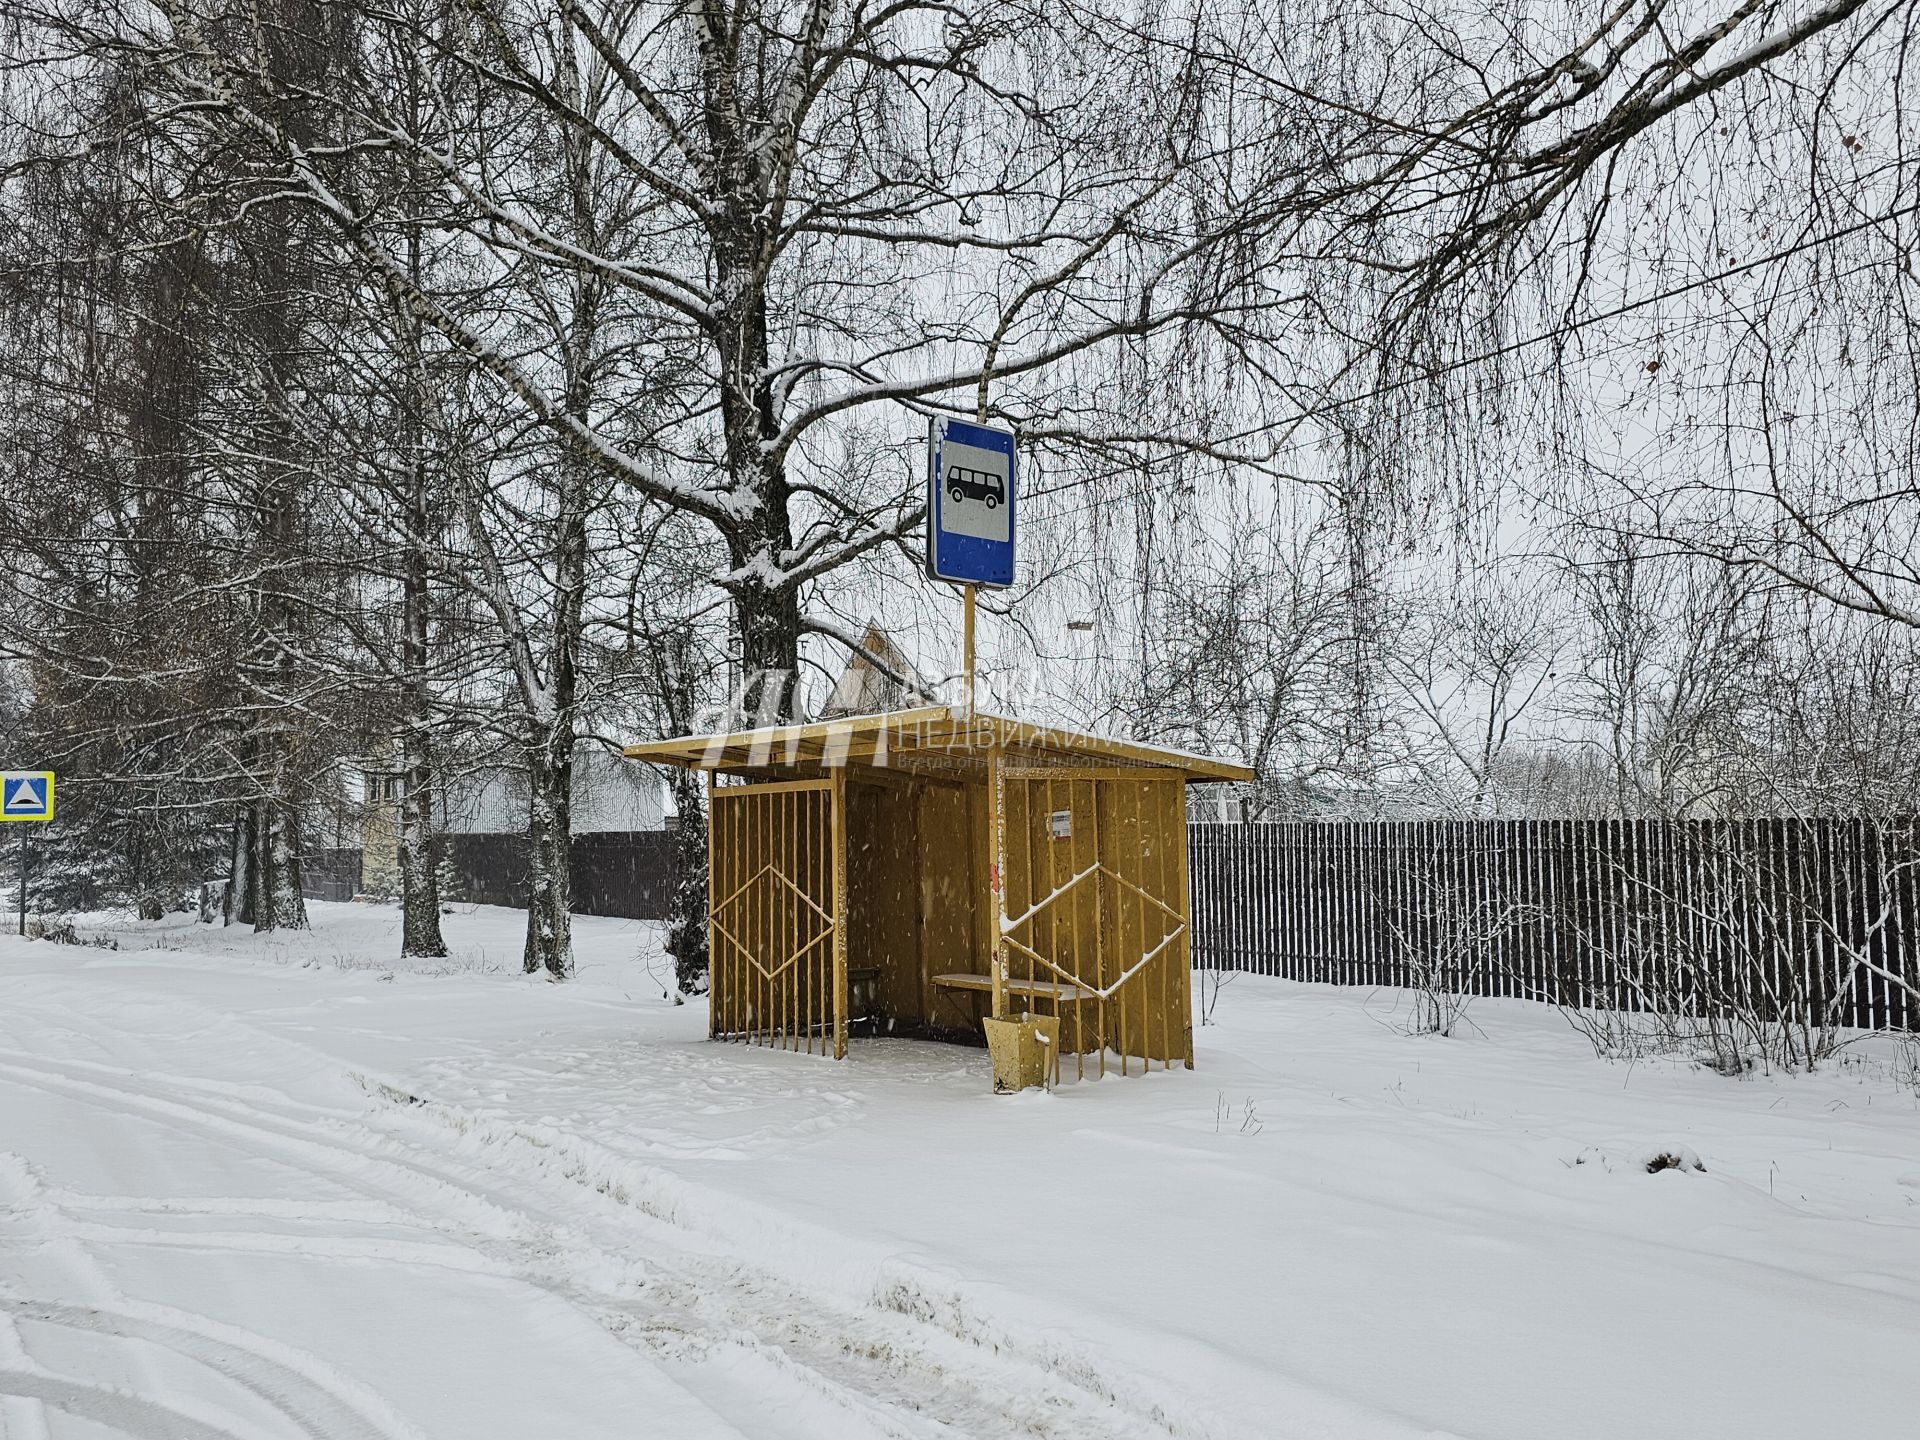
[{"x": 965, "y": 484}]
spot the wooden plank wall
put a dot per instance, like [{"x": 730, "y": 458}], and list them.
[
  {"x": 771, "y": 898},
  {"x": 1798, "y": 915},
  {"x": 1102, "y": 904}
]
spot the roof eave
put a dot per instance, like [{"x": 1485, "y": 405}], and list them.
[{"x": 770, "y": 745}]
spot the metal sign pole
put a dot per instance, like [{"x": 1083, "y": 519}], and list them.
[
  {"x": 26, "y": 798},
  {"x": 966, "y": 645}
]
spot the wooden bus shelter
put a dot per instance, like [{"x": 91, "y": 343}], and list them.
[{"x": 922, "y": 868}]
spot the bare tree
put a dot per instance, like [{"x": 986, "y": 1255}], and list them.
[
  {"x": 1244, "y": 633},
  {"x": 842, "y": 206},
  {"x": 161, "y": 521},
  {"x": 1669, "y": 675},
  {"x": 1443, "y": 939},
  {"x": 1476, "y": 659}
]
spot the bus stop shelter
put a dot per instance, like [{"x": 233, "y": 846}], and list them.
[{"x": 923, "y": 869}]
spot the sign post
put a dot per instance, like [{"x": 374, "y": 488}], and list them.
[
  {"x": 971, "y": 499},
  {"x": 966, "y": 640},
  {"x": 26, "y": 795}
]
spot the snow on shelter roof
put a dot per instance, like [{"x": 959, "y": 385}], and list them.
[{"x": 935, "y": 739}]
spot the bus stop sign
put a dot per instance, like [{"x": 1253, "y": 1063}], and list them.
[{"x": 970, "y": 503}]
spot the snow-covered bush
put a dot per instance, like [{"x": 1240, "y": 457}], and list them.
[
  {"x": 687, "y": 914},
  {"x": 1442, "y": 941}
]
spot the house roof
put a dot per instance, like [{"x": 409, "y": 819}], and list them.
[
  {"x": 933, "y": 739},
  {"x": 864, "y": 688}
]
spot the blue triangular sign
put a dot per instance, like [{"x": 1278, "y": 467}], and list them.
[{"x": 26, "y": 795}]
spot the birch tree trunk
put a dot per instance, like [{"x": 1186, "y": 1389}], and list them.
[
  {"x": 550, "y": 828},
  {"x": 550, "y": 860},
  {"x": 419, "y": 875},
  {"x": 549, "y": 944}
]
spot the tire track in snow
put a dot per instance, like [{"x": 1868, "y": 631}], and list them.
[
  {"x": 311, "y": 1396},
  {"x": 297, "y": 1385},
  {"x": 894, "y": 1369},
  {"x": 906, "y": 1328},
  {"x": 116, "y": 1409},
  {"x": 536, "y": 1249}
]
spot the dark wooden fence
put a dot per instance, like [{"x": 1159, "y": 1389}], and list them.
[
  {"x": 330, "y": 874},
  {"x": 1810, "y": 918},
  {"x": 624, "y": 873}
]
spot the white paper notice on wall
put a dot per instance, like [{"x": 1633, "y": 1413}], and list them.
[{"x": 1061, "y": 823}]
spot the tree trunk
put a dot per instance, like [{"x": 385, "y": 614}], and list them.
[
  {"x": 766, "y": 609},
  {"x": 549, "y": 944},
  {"x": 550, "y": 774},
  {"x": 239, "y": 907},
  {"x": 419, "y": 879},
  {"x": 279, "y": 904},
  {"x": 419, "y": 870},
  {"x": 419, "y": 875},
  {"x": 768, "y": 618},
  {"x": 304, "y": 49},
  {"x": 550, "y": 769},
  {"x": 550, "y": 859}
]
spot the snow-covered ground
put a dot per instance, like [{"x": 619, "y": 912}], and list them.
[{"x": 254, "y": 1188}]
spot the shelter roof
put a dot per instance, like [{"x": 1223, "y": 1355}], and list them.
[{"x": 934, "y": 739}]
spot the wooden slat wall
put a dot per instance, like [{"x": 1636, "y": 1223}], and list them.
[
  {"x": 773, "y": 976},
  {"x": 1798, "y": 915},
  {"x": 1101, "y": 906}
]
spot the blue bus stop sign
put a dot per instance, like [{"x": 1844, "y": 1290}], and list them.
[{"x": 970, "y": 503}]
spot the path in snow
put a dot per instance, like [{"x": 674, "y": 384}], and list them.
[{"x": 739, "y": 1349}]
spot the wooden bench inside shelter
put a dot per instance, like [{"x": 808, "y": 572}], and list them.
[
  {"x": 1032, "y": 989},
  {"x": 977, "y": 988}
]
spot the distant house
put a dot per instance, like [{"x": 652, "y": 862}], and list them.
[
  {"x": 381, "y": 791},
  {"x": 866, "y": 689},
  {"x": 609, "y": 794}
]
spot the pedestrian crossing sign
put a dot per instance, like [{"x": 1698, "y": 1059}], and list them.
[{"x": 26, "y": 795}]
